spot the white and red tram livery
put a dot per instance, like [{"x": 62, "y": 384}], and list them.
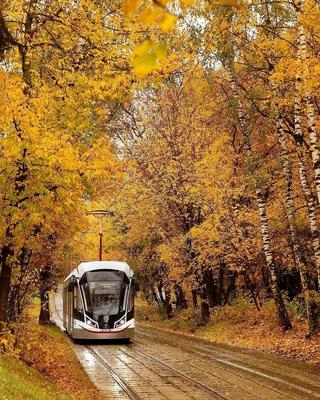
[{"x": 98, "y": 301}]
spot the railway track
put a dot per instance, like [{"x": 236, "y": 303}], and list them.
[
  {"x": 213, "y": 393},
  {"x": 228, "y": 382},
  {"x": 131, "y": 393},
  {"x": 236, "y": 366},
  {"x": 279, "y": 392}
]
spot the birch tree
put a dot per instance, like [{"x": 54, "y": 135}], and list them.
[
  {"x": 264, "y": 225},
  {"x": 304, "y": 94},
  {"x": 311, "y": 304}
]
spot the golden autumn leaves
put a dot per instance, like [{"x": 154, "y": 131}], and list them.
[{"x": 149, "y": 55}]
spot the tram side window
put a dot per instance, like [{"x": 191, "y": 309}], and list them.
[
  {"x": 65, "y": 304},
  {"x": 131, "y": 299},
  {"x": 77, "y": 304},
  {"x": 122, "y": 297},
  {"x": 86, "y": 292}
]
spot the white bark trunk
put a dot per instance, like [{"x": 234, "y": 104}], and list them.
[
  {"x": 298, "y": 112},
  {"x": 313, "y": 222},
  {"x": 290, "y": 207},
  {"x": 266, "y": 238},
  {"x": 304, "y": 92}
]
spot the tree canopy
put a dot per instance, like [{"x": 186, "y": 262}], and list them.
[{"x": 195, "y": 123}]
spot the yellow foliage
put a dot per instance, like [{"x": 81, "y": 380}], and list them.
[
  {"x": 129, "y": 6},
  {"x": 186, "y": 3},
  {"x": 162, "y": 3},
  {"x": 168, "y": 22},
  {"x": 173, "y": 126},
  {"x": 146, "y": 57}
]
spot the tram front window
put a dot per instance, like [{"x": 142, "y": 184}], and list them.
[
  {"x": 104, "y": 293},
  {"x": 107, "y": 299}
]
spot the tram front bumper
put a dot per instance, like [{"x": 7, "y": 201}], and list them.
[{"x": 83, "y": 333}]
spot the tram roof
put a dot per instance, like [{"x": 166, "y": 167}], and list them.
[{"x": 99, "y": 265}]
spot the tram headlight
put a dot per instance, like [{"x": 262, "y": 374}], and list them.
[
  {"x": 120, "y": 322},
  {"x": 91, "y": 323}
]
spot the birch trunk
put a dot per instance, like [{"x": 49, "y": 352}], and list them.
[
  {"x": 297, "y": 250},
  {"x": 313, "y": 222},
  {"x": 304, "y": 92},
  {"x": 298, "y": 112},
  {"x": 313, "y": 306},
  {"x": 283, "y": 316}
]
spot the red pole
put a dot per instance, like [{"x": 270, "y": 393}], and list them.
[
  {"x": 100, "y": 249},
  {"x": 100, "y": 236}
]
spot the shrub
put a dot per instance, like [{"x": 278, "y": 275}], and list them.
[{"x": 240, "y": 310}]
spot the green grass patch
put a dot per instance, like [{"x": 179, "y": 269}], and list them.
[
  {"x": 34, "y": 308},
  {"x": 54, "y": 332},
  {"x": 20, "y": 382},
  {"x": 185, "y": 320},
  {"x": 213, "y": 330},
  {"x": 36, "y": 300}
]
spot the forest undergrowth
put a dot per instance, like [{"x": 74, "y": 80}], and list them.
[{"x": 240, "y": 324}]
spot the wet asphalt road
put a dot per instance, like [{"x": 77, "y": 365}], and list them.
[{"x": 159, "y": 365}]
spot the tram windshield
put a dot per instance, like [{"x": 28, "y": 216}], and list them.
[{"x": 104, "y": 293}]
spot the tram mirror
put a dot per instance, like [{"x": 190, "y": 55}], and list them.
[{"x": 136, "y": 286}]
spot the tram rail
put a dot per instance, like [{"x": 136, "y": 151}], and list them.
[
  {"x": 131, "y": 393},
  {"x": 237, "y": 374},
  {"x": 213, "y": 393},
  {"x": 239, "y": 367}
]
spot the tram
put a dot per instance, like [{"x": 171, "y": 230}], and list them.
[{"x": 98, "y": 301}]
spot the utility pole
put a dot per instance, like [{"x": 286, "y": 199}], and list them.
[{"x": 100, "y": 214}]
